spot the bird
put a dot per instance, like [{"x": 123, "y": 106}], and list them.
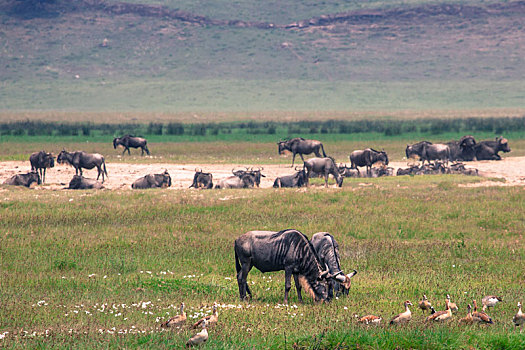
[
  {"x": 480, "y": 317},
  {"x": 519, "y": 318},
  {"x": 211, "y": 319},
  {"x": 453, "y": 307},
  {"x": 424, "y": 304},
  {"x": 370, "y": 319},
  {"x": 441, "y": 315},
  {"x": 467, "y": 319},
  {"x": 404, "y": 316},
  {"x": 176, "y": 321},
  {"x": 490, "y": 301},
  {"x": 200, "y": 337},
  {"x": 432, "y": 310}
]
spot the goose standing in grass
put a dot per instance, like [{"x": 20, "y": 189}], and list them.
[
  {"x": 467, "y": 319},
  {"x": 210, "y": 319},
  {"x": 519, "y": 318},
  {"x": 424, "y": 304},
  {"x": 370, "y": 319},
  {"x": 441, "y": 316},
  {"x": 176, "y": 321},
  {"x": 453, "y": 307},
  {"x": 403, "y": 317},
  {"x": 480, "y": 317},
  {"x": 490, "y": 301},
  {"x": 200, "y": 337}
]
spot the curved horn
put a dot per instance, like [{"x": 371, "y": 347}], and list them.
[{"x": 352, "y": 274}]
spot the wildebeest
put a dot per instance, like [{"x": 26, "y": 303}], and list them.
[
  {"x": 300, "y": 146},
  {"x": 345, "y": 171},
  {"x": 287, "y": 250},
  {"x": 367, "y": 157},
  {"x": 408, "y": 171},
  {"x": 324, "y": 166},
  {"x": 242, "y": 179},
  {"x": 296, "y": 180},
  {"x": 202, "y": 180},
  {"x": 459, "y": 168},
  {"x": 416, "y": 149},
  {"x": 327, "y": 250},
  {"x": 84, "y": 160},
  {"x": 435, "y": 168},
  {"x": 40, "y": 161},
  {"x": 463, "y": 149},
  {"x": 78, "y": 182},
  {"x": 153, "y": 181},
  {"x": 24, "y": 179},
  {"x": 381, "y": 171},
  {"x": 488, "y": 150},
  {"x": 436, "y": 151},
  {"x": 131, "y": 141}
]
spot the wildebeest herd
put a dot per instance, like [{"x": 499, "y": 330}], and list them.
[{"x": 434, "y": 157}]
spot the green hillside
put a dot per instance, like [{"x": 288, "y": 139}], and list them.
[{"x": 394, "y": 55}]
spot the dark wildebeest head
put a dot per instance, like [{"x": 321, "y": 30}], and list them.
[
  {"x": 24, "y": 179},
  {"x": 202, "y": 180},
  {"x": 288, "y": 250}
]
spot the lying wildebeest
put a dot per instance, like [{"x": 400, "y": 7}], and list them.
[
  {"x": 416, "y": 149},
  {"x": 131, "y": 141},
  {"x": 300, "y": 146},
  {"x": 40, "y": 161},
  {"x": 436, "y": 151},
  {"x": 367, "y": 157},
  {"x": 296, "y": 180},
  {"x": 202, "y": 180},
  {"x": 436, "y": 168},
  {"x": 381, "y": 171},
  {"x": 324, "y": 166},
  {"x": 488, "y": 150},
  {"x": 78, "y": 182},
  {"x": 24, "y": 179},
  {"x": 242, "y": 179},
  {"x": 153, "y": 181},
  {"x": 459, "y": 168},
  {"x": 327, "y": 250},
  {"x": 84, "y": 160},
  {"x": 463, "y": 149},
  {"x": 408, "y": 171},
  {"x": 287, "y": 250},
  {"x": 348, "y": 172}
]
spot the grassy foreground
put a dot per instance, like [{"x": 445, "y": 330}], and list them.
[{"x": 103, "y": 269}]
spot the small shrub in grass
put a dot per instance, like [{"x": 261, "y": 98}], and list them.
[{"x": 64, "y": 265}]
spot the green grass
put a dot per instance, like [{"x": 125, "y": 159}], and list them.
[{"x": 406, "y": 236}]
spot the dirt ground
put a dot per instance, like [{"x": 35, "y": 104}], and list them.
[{"x": 122, "y": 175}]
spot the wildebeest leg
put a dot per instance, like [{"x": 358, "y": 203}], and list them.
[
  {"x": 129, "y": 153},
  {"x": 330, "y": 290},
  {"x": 293, "y": 159},
  {"x": 242, "y": 276},
  {"x": 298, "y": 287},
  {"x": 287, "y": 284},
  {"x": 326, "y": 175},
  {"x": 147, "y": 150},
  {"x": 43, "y": 175}
]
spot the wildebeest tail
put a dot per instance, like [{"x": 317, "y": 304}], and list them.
[
  {"x": 237, "y": 263},
  {"x": 104, "y": 164},
  {"x": 322, "y": 149}
]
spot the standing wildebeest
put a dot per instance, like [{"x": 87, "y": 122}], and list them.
[
  {"x": 202, "y": 180},
  {"x": 84, "y": 160},
  {"x": 131, "y": 141},
  {"x": 40, "y": 161},
  {"x": 463, "y": 149},
  {"x": 78, "y": 182},
  {"x": 298, "y": 179},
  {"x": 153, "y": 181},
  {"x": 287, "y": 250},
  {"x": 437, "y": 151},
  {"x": 327, "y": 250},
  {"x": 488, "y": 150},
  {"x": 416, "y": 149},
  {"x": 324, "y": 166},
  {"x": 301, "y": 146},
  {"x": 367, "y": 157},
  {"x": 24, "y": 179}
]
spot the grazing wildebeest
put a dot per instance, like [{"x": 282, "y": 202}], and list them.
[
  {"x": 324, "y": 166},
  {"x": 131, "y": 141},
  {"x": 348, "y": 172},
  {"x": 296, "y": 180},
  {"x": 463, "y": 149},
  {"x": 367, "y": 157},
  {"x": 287, "y": 250},
  {"x": 40, "y": 161},
  {"x": 84, "y": 160},
  {"x": 436, "y": 151},
  {"x": 488, "y": 150},
  {"x": 202, "y": 180},
  {"x": 153, "y": 181},
  {"x": 78, "y": 182},
  {"x": 327, "y": 250},
  {"x": 301, "y": 146},
  {"x": 416, "y": 149},
  {"x": 24, "y": 179}
]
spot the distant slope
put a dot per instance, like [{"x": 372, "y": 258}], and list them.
[{"x": 94, "y": 55}]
